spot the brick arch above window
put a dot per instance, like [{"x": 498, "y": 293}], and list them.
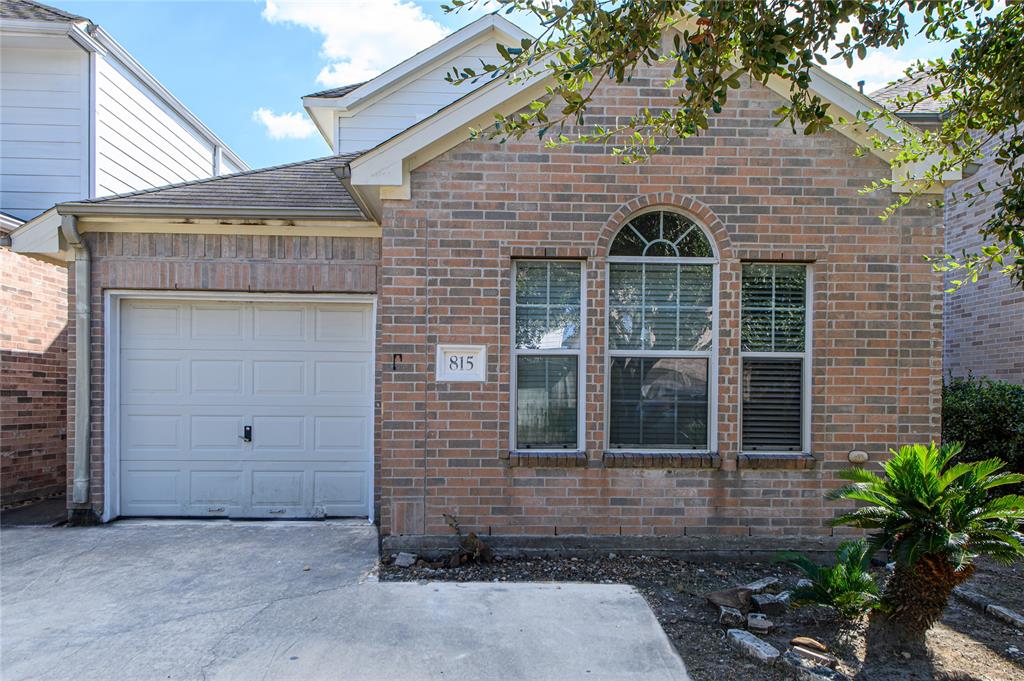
[{"x": 692, "y": 208}]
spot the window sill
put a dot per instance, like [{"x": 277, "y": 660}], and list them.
[
  {"x": 566, "y": 459},
  {"x": 623, "y": 459},
  {"x": 784, "y": 461}
]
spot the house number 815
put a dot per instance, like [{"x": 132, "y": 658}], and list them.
[{"x": 460, "y": 362}]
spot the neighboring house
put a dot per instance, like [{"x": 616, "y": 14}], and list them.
[
  {"x": 79, "y": 118},
  {"x": 541, "y": 342},
  {"x": 983, "y": 322}
]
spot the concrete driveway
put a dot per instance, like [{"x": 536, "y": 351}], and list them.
[{"x": 235, "y": 600}]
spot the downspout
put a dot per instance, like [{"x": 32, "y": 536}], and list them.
[{"x": 83, "y": 379}]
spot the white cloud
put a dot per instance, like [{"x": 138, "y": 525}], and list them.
[
  {"x": 361, "y": 38},
  {"x": 292, "y": 125},
  {"x": 877, "y": 69}
]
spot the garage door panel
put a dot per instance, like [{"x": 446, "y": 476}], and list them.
[
  {"x": 217, "y": 377},
  {"x": 276, "y": 324},
  {"x": 341, "y": 492},
  {"x": 278, "y": 490},
  {"x": 273, "y": 378},
  {"x": 342, "y": 434},
  {"x": 151, "y": 375},
  {"x": 152, "y": 489},
  {"x": 216, "y": 492},
  {"x": 337, "y": 378},
  {"x": 145, "y": 324},
  {"x": 301, "y": 375},
  {"x": 212, "y": 432},
  {"x": 278, "y": 433},
  {"x": 151, "y": 431},
  {"x": 344, "y": 324},
  {"x": 210, "y": 322}
]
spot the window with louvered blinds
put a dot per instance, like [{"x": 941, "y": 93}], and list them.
[
  {"x": 773, "y": 344},
  {"x": 661, "y": 314},
  {"x": 546, "y": 354}
]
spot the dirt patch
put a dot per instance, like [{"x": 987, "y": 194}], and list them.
[{"x": 965, "y": 646}]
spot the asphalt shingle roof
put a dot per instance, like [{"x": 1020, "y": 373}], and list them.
[
  {"x": 306, "y": 185},
  {"x": 35, "y": 11},
  {"x": 904, "y": 86},
  {"x": 337, "y": 91}
]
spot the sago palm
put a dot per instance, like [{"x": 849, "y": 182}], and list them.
[
  {"x": 848, "y": 585},
  {"x": 935, "y": 517}
]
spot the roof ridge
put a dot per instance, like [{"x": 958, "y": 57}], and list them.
[{"x": 342, "y": 158}]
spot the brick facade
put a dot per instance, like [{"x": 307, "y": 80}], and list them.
[
  {"x": 206, "y": 262},
  {"x": 443, "y": 272},
  {"x": 33, "y": 395},
  {"x": 763, "y": 194},
  {"x": 983, "y": 321}
]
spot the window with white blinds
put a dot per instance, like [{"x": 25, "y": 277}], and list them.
[
  {"x": 547, "y": 354},
  {"x": 775, "y": 353},
  {"x": 661, "y": 341}
]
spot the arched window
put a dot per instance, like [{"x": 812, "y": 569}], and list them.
[{"x": 662, "y": 277}]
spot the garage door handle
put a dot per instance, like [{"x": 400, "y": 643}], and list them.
[{"x": 246, "y": 434}]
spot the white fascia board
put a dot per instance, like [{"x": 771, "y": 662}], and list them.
[
  {"x": 30, "y": 27},
  {"x": 40, "y": 236},
  {"x": 390, "y": 163},
  {"x": 26, "y": 28},
  {"x": 116, "y": 51},
  {"x": 462, "y": 39}
]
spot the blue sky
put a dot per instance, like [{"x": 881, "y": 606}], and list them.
[{"x": 243, "y": 65}]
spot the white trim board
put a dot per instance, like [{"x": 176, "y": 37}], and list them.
[{"x": 111, "y": 362}]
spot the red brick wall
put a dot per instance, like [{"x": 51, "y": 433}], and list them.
[
  {"x": 984, "y": 321},
  {"x": 303, "y": 264},
  {"x": 763, "y": 193},
  {"x": 33, "y": 355}
]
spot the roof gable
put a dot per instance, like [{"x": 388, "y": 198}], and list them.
[
  {"x": 362, "y": 115},
  {"x": 383, "y": 172}
]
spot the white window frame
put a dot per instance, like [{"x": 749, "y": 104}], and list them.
[
  {"x": 711, "y": 354},
  {"x": 581, "y": 359},
  {"x": 805, "y": 356}
]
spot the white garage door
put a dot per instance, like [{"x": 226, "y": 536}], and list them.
[{"x": 194, "y": 376}]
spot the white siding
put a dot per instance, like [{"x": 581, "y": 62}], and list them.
[
  {"x": 43, "y": 128},
  {"x": 412, "y": 102},
  {"x": 140, "y": 141}
]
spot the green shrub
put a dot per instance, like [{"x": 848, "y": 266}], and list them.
[
  {"x": 847, "y": 586},
  {"x": 987, "y": 417}
]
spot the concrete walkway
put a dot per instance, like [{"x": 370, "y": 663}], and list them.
[{"x": 235, "y": 600}]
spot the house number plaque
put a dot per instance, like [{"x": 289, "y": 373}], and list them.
[{"x": 462, "y": 363}]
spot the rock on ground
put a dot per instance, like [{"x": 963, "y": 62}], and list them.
[
  {"x": 405, "y": 560},
  {"x": 752, "y": 646}
]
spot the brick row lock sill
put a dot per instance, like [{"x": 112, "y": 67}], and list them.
[{"x": 662, "y": 460}]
